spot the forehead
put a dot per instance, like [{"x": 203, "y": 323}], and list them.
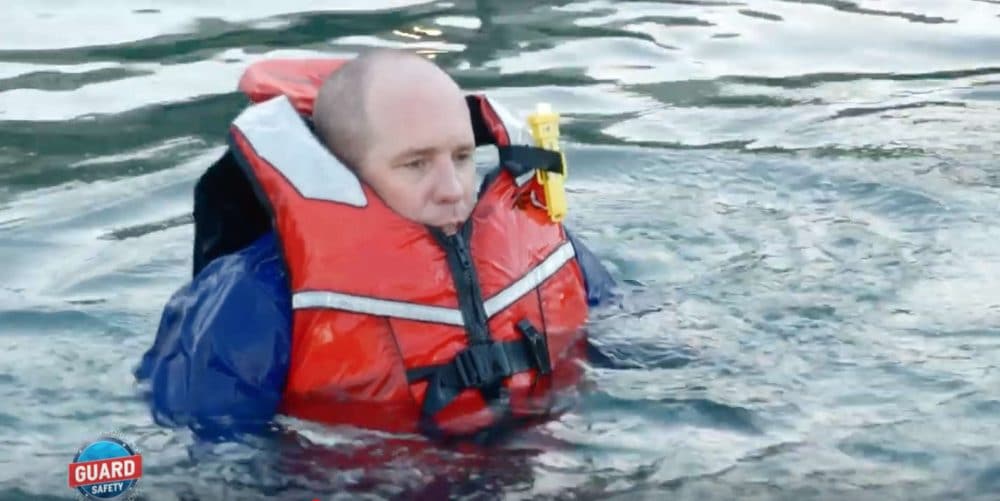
[{"x": 403, "y": 121}]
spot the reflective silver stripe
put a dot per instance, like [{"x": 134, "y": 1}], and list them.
[
  {"x": 516, "y": 130},
  {"x": 439, "y": 314},
  {"x": 378, "y": 307},
  {"x": 524, "y": 178},
  {"x": 533, "y": 279},
  {"x": 277, "y": 134}
]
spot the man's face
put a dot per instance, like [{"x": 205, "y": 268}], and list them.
[{"x": 420, "y": 154}]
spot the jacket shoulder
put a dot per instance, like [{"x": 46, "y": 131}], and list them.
[
  {"x": 220, "y": 355},
  {"x": 597, "y": 279}
]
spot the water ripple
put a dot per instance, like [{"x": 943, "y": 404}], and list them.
[
  {"x": 799, "y": 198},
  {"x": 854, "y": 8}
]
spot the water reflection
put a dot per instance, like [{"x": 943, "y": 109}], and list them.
[{"x": 799, "y": 197}]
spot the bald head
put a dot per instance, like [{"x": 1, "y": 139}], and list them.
[
  {"x": 402, "y": 124},
  {"x": 343, "y": 109}
]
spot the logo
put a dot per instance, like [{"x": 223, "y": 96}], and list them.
[{"x": 107, "y": 468}]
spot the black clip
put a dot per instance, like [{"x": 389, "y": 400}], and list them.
[
  {"x": 482, "y": 365},
  {"x": 537, "y": 346}
]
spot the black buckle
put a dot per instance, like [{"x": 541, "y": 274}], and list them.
[
  {"x": 482, "y": 365},
  {"x": 537, "y": 346}
]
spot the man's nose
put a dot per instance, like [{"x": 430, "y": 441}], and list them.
[{"x": 448, "y": 183}]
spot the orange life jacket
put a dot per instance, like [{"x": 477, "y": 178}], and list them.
[{"x": 395, "y": 325}]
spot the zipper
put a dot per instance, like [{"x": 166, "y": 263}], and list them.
[{"x": 470, "y": 298}]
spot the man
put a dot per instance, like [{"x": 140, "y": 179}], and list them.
[{"x": 365, "y": 296}]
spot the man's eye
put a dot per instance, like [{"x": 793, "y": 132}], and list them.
[
  {"x": 416, "y": 163},
  {"x": 463, "y": 157}
]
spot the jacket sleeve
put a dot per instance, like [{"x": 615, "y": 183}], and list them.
[
  {"x": 220, "y": 357},
  {"x": 600, "y": 285}
]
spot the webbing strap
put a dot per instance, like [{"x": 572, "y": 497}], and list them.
[
  {"x": 482, "y": 366},
  {"x": 520, "y": 159}
]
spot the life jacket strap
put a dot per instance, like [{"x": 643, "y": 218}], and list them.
[
  {"x": 482, "y": 366},
  {"x": 520, "y": 159}
]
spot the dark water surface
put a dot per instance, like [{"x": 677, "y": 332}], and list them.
[{"x": 807, "y": 192}]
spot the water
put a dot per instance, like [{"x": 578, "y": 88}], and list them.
[{"x": 804, "y": 192}]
